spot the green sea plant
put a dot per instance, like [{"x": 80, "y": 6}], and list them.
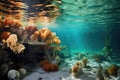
[
  {"x": 84, "y": 62},
  {"x": 113, "y": 70},
  {"x": 100, "y": 73},
  {"x": 107, "y": 49}
]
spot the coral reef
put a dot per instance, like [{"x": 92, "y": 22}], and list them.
[
  {"x": 10, "y": 26},
  {"x": 17, "y": 39},
  {"x": 113, "y": 70},
  {"x": 51, "y": 41},
  {"x": 49, "y": 67},
  {"x": 77, "y": 69}
]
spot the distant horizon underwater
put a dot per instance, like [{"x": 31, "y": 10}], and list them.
[{"x": 87, "y": 37}]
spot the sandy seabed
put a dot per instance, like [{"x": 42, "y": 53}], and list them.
[{"x": 64, "y": 74}]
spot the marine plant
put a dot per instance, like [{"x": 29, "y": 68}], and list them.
[
  {"x": 13, "y": 44},
  {"x": 84, "y": 61},
  {"x": 107, "y": 48},
  {"x": 4, "y": 35},
  {"x": 48, "y": 66},
  {"x": 100, "y": 73},
  {"x": 77, "y": 69},
  {"x": 113, "y": 70}
]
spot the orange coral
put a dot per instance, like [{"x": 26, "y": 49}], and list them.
[
  {"x": 35, "y": 36},
  {"x": 45, "y": 33},
  {"x": 113, "y": 70},
  {"x": 77, "y": 69},
  {"x": 8, "y": 22},
  {"x": 1, "y": 22},
  {"x": 31, "y": 29},
  {"x": 4, "y": 35},
  {"x": 42, "y": 63},
  {"x": 16, "y": 24},
  {"x": 56, "y": 40},
  {"x": 49, "y": 67}
]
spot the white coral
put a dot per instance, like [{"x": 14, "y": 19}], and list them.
[
  {"x": 13, "y": 74},
  {"x": 13, "y": 44},
  {"x": 18, "y": 48},
  {"x": 12, "y": 40}
]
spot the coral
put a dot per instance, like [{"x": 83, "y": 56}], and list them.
[
  {"x": 17, "y": 24},
  {"x": 30, "y": 29},
  {"x": 12, "y": 40},
  {"x": 22, "y": 71},
  {"x": 45, "y": 33},
  {"x": 113, "y": 70},
  {"x": 56, "y": 40},
  {"x": 7, "y": 22},
  {"x": 1, "y": 22},
  {"x": 35, "y": 36},
  {"x": 11, "y": 23},
  {"x": 77, "y": 69},
  {"x": 13, "y": 74},
  {"x": 4, "y": 35},
  {"x": 53, "y": 39},
  {"x": 49, "y": 67},
  {"x": 18, "y": 48},
  {"x": 84, "y": 61},
  {"x": 42, "y": 63},
  {"x": 13, "y": 44}
]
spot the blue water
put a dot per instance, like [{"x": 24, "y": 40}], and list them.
[{"x": 87, "y": 37}]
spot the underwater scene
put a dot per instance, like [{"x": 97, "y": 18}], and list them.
[{"x": 59, "y": 40}]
